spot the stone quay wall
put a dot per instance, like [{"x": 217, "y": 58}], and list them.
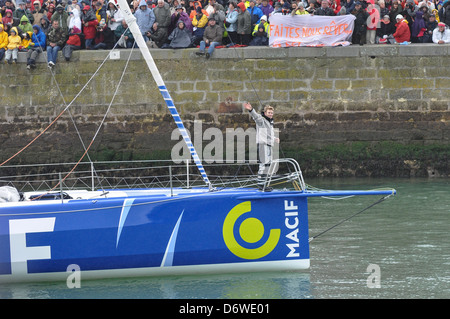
[{"x": 373, "y": 110}]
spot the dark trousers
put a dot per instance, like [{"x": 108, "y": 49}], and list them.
[
  {"x": 245, "y": 39},
  {"x": 32, "y": 54},
  {"x": 359, "y": 37}
]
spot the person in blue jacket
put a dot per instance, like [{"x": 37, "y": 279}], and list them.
[
  {"x": 39, "y": 39},
  {"x": 255, "y": 13},
  {"x": 144, "y": 18},
  {"x": 231, "y": 22}
]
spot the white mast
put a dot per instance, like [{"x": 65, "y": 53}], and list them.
[{"x": 132, "y": 25}]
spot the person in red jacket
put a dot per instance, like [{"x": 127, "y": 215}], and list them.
[
  {"x": 73, "y": 43},
  {"x": 403, "y": 34},
  {"x": 90, "y": 23}
]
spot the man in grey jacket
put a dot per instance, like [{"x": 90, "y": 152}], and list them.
[
  {"x": 162, "y": 16},
  {"x": 211, "y": 38},
  {"x": 265, "y": 139}
]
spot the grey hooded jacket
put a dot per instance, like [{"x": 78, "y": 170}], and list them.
[{"x": 264, "y": 128}]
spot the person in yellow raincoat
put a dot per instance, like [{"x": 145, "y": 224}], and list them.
[
  {"x": 26, "y": 42},
  {"x": 14, "y": 42},
  {"x": 266, "y": 26},
  {"x": 199, "y": 23},
  {"x": 261, "y": 33},
  {"x": 3, "y": 41}
]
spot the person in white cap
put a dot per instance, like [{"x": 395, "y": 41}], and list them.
[
  {"x": 402, "y": 34},
  {"x": 264, "y": 22},
  {"x": 261, "y": 33},
  {"x": 441, "y": 34}
]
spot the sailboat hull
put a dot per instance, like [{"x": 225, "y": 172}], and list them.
[{"x": 144, "y": 234}]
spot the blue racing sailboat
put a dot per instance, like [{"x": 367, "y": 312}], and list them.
[{"x": 157, "y": 231}]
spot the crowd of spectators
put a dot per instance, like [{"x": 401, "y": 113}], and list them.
[{"x": 34, "y": 26}]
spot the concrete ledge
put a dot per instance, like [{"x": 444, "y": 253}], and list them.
[{"x": 418, "y": 50}]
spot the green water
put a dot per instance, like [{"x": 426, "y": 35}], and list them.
[{"x": 406, "y": 237}]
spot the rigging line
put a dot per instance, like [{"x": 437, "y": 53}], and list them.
[
  {"x": 71, "y": 117},
  {"x": 101, "y": 124},
  {"x": 96, "y": 133},
  {"x": 59, "y": 115},
  {"x": 32, "y": 141},
  {"x": 245, "y": 68},
  {"x": 70, "y": 113},
  {"x": 64, "y": 101},
  {"x": 350, "y": 217}
]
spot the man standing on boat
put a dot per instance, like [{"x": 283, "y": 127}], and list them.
[{"x": 265, "y": 139}]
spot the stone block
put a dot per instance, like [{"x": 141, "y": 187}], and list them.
[
  {"x": 321, "y": 85},
  {"x": 298, "y": 95},
  {"x": 361, "y": 105},
  {"x": 212, "y": 96},
  {"x": 354, "y": 95},
  {"x": 367, "y": 73},
  {"x": 439, "y": 106},
  {"x": 366, "y": 84},
  {"x": 349, "y": 51},
  {"x": 226, "y": 86},
  {"x": 342, "y": 84},
  {"x": 428, "y": 49},
  {"x": 263, "y": 52},
  {"x": 188, "y": 86},
  {"x": 405, "y": 94},
  {"x": 437, "y": 71},
  {"x": 281, "y": 96},
  {"x": 342, "y": 73},
  {"x": 331, "y": 95},
  {"x": 324, "y": 116},
  {"x": 377, "y": 50},
  {"x": 306, "y": 52}
]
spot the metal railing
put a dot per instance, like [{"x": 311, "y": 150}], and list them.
[{"x": 147, "y": 174}]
